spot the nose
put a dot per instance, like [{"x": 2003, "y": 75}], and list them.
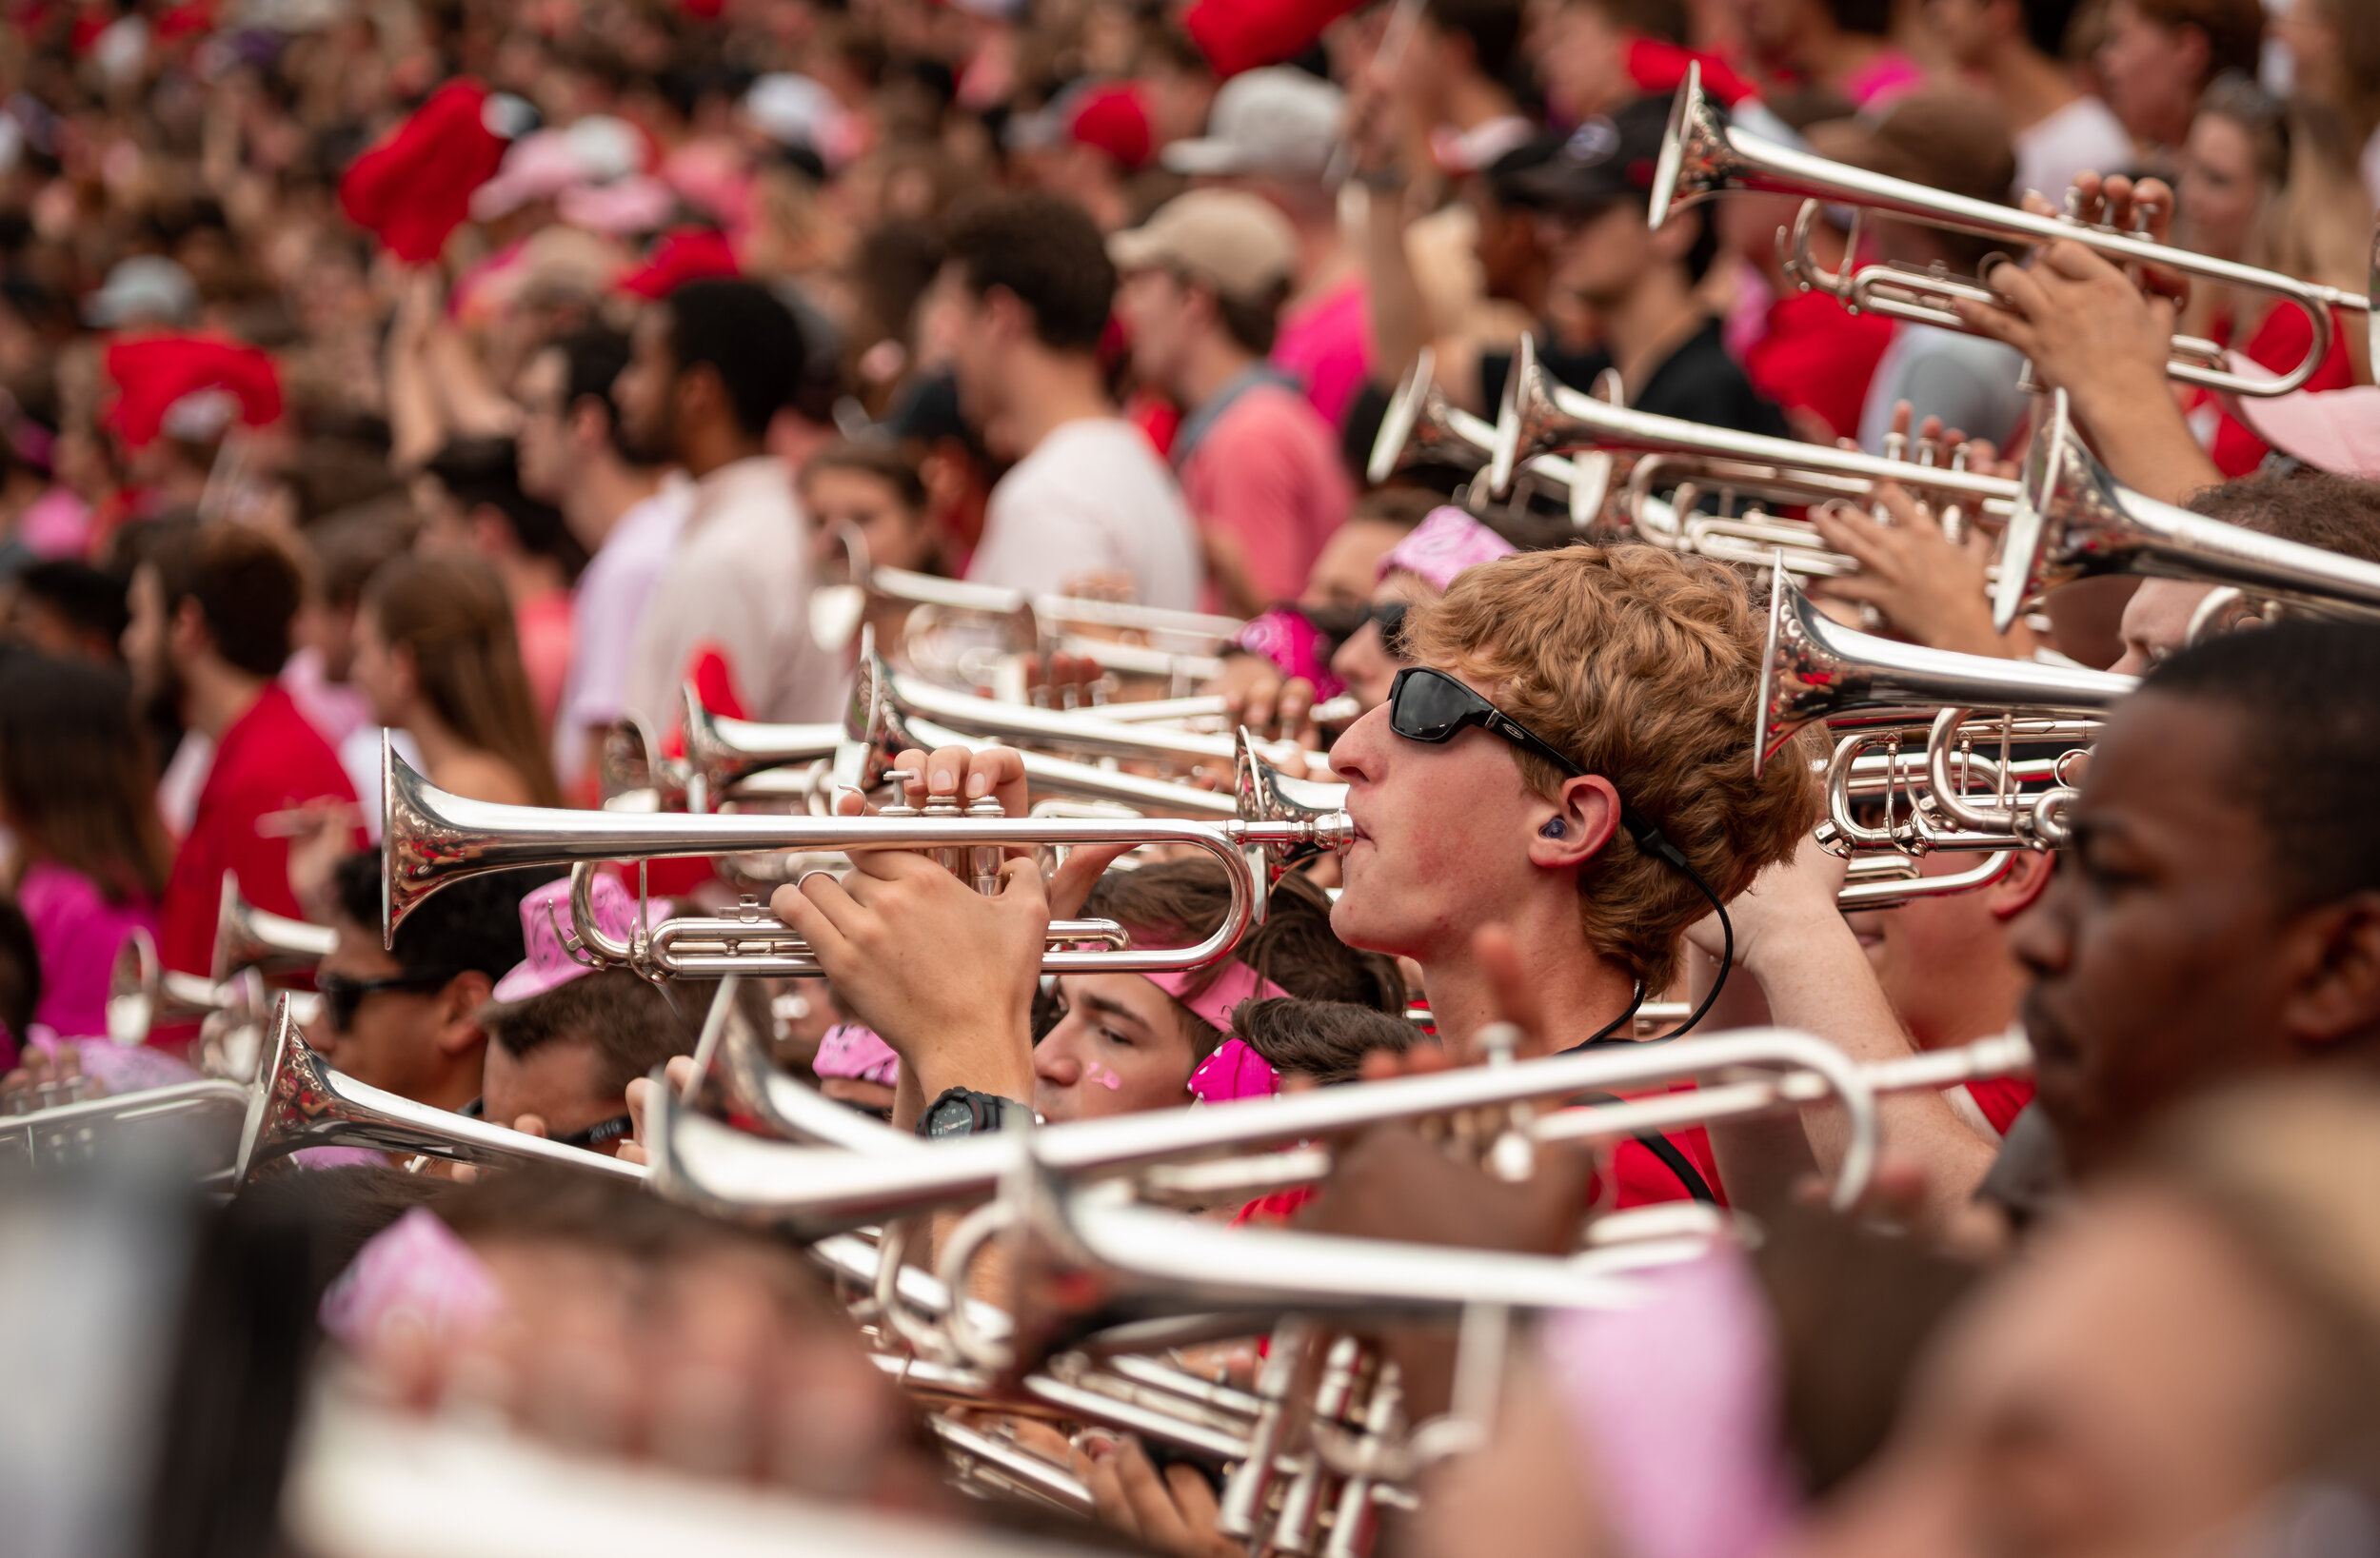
[
  {"x": 1052, "y": 1064},
  {"x": 1355, "y": 754}
]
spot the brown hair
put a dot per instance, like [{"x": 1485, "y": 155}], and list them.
[
  {"x": 2233, "y": 29},
  {"x": 631, "y": 1024},
  {"x": 2313, "y": 217},
  {"x": 2337, "y": 513},
  {"x": 246, "y": 585},
  {"x": 881, "y": 461},
  {"x": 1644, "y": 667},
  {"x": 76, "y": 784},
  {"x": 1324, "y": 1040},
  {"x": 449, "y": 613},
  {"x": 1179, "y": 903}
]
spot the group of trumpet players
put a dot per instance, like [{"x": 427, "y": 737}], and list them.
[{"x": 1632, "y": 903}]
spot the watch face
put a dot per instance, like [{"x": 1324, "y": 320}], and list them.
[{"x": 950, "y": 1117}]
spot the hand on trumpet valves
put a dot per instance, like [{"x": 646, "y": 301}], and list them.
[
  {"x": 964, "y": 777},
  {"x": 1257, "y": 695},
  {"x": 1173, "y": 1511},
  {"x": 1922, "y": 582},
  {"x": 45, "y": 1078}
]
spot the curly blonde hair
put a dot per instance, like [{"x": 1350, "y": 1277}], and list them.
[{"x": 1644, "y": 667}]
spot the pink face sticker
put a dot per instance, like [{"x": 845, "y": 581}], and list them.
[{"x": 1094, "y": 1071}]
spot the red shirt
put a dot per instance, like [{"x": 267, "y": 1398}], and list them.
[
  {"x": 2280, "y": 345},
  {"x": 1821, "y": 355},
  {"x": 269, "y": 761}
]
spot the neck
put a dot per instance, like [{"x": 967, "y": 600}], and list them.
[
  {"x": 1578, "y": 992},
  {"x": 1322, "y": 260},
  {"x": 527, "y": 576},
  {"x": 1658, "y": 314},
  {"x": 1213, "y": 361},
  {"x": 460, "y": 1080},
  {"x": 608, "y": 490},
  {"x": 2031, "y": 87},
  {"x": 215, "y": 696},
  {"x": 1047, "y": 389},
  {"x": 439, "y": 744},
  {"x": 709, "y": 448}
]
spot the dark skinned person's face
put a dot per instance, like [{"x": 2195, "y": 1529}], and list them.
[{"x": 2164, "y": 956}]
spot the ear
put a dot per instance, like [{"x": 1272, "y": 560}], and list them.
[
  {"x": 2021, "y": 888},
  {"x": 490, "y": 531},
  {"x": 459, "y": 1002},
  {"x": 589, "y": 427},
  {"x": 697, "y": 392},
  {"x": 1587, "y": 812},
  {"x": 1007, "y": 314},
  {"x": 188, "y": 637},
  {"x": 2334, "y": 993}
]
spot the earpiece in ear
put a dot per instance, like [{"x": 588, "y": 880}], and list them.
[{"x": 1553, "y": 829}]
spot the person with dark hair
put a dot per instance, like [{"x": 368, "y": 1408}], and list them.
[
  {"x": 2219, "y": 914},
  {"x": 213, "y": 605},
  {"x": 472, "y": 504},
  {"x": 90, "y": 854},
  {"x": 1668, "y": 351},
  {"x": 1454, "y": 83},
  {"x": 1132, "y": 1041},
  {"x": 1845, "y": 46},
  {"x": 436, "y": 656},
  {"x": 711, "y": 366},
  {"x": 625, "y": 512},
  {"x": 1203, "y": 280},
  {"x": 2156, "y": 58},
  {"x": 2015, "y": 50},
  {"x": 406, "y": 1019},
  {"x": 66, "y": 607},
  {"x": 20, "y": 983},
  {"x": 1023, "y": 295},
  {"x": 567, "y": 1041}
]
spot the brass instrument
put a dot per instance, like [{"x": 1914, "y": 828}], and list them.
[
  {"x": 1817, "y": 669},
  {"x": 2073, "y": 520},
  {"x": 231, "y": 1013},
  {"x": 1423, "y": 426},
  {"x": 1703, "y": 155},
  {"x": 274, "y": 945}
]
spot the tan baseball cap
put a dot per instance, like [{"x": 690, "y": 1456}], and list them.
[{"x": 1235, "y": 242}]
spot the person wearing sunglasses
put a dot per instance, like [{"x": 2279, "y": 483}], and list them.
[
  {"x": 1419, "y": 568},
  {"x": 406, "y": 1020}
]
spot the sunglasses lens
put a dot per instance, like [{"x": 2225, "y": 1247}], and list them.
[{"x": 1425, "y": 707}]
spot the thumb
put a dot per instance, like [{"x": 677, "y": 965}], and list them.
[
  {"x": 1069, "y": 887},
  {"x": 531, "y": 1125}
]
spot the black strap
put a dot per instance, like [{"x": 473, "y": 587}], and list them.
[{"x": 1667, "y": 1151}]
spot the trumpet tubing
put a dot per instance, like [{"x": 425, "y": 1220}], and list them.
[{"x": 1702, "y": 155}]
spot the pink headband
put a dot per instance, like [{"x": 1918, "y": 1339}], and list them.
[
  {"x": 414, "y": 1276},
  {"x": 1443, "y": 546},
  {"x": 1237, "y": 983}
]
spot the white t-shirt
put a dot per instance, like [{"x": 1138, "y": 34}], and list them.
[
  {"x": 1093, "y": 497},
  {"x": 1967, "y": 381},
  {"x": 605, "y": 611},
  {"x": 2083, "y": 136}
]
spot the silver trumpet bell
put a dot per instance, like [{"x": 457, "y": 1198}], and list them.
[
  {"x": 1424, "y": 427},
  {"x": 1817, "y": 669},
  {"x": 2075, "y": 521},
  {"x": 1702, "y": 155},
  {"x": 274, "y": 945},
  {"x": 723, "y": 753},
  {"x": 299, "y": 1102}
]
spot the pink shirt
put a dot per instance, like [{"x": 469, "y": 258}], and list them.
[
  {"x": 542, "y": 626},
  {"x": 1327, "y": 345},
  {"x": 1265, "y": 481},
  {"x": 77, "y": 931}
]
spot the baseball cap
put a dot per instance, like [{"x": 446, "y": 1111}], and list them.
[
  {"x": 1108, "y": 116},
  {"x": 147, "y": 288},
  {"x": 1945, "y": 137},
  {"x": 1608, "y": 157},
  {"x": 1233, "y": 241},
  {"x": 2336, "y": 430},
  {"x": 1276, "y": 120}
]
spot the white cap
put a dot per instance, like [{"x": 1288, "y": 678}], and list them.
[
  {"x": 795, "y": 110},
  {"x": 1277, "y": 120},
  {"x": 147, "y": 288}
]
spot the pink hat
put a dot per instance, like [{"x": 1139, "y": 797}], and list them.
[
  {"x": 1443, "y": 546},
  {"x": 849, "y": 1050},
  {"x": 2336, "y": 430},
  {"x": 639, "y": 202},
  {"x": 544, "y": 915},
  {"x": 538, "y": 165}
]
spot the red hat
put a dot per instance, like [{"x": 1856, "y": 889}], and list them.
[
  {"x": 1656, "y": 66},
  {"x": 1238, "y": 35},
  {"x": 686, "y": 254},
  {"x": 200, "y": 381},
  {"x": 1113, "y": 119},
  {"x": 414, "y": 187}
]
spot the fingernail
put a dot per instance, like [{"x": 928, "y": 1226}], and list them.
[
  {"x": 940, "y": 780},
  {"x": 977, "y": 784}
]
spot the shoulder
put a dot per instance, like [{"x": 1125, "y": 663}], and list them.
[{"x": 482, "y": 776}]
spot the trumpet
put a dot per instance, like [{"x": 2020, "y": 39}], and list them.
[
  {"x": 1542, "y": 417},
  {"x": 274, "y": 945},
  {"x": 1817, "y": 669},
  {"x": 1942, "y": 810},
  {"x": 201, "y": 1118},
  {"x": 231, "y": 1013},
  {"x": 299, "y": 1102},
  {"x": 1703, "y": 155},
  {"x": 431, "y": 838},
  {"x": 2072, "y": 521},
  {"x": 1422, "y": 427}
]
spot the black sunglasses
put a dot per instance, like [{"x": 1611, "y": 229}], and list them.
[
  {"x": 1429, "y": 705},
  {"x": 343, "y": 995},
  {"x": 600, "y": 1132},
  {"x": 1340, "y": 623}
]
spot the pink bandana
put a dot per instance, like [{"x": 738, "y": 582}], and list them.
[
  {"x": 545, "y": 915},
  {"x": 1288, "y": 638},
  {"x": 1234, "y": 1071},
  {"x": 851, "y": 1050},
  {"x": 414, "y": 1276},
  {"x": 1236, "y": 984},
  {"x": 1443, "y": 546}
]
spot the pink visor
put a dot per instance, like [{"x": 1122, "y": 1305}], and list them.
[{"x": 544, "y": 918}]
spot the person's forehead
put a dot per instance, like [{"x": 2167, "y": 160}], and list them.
[
  {"x": 1133, "y": 993},
  {"x": 355, "y": 950},
  {"x": 2164, "y": 774}
]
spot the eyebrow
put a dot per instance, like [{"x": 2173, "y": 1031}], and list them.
[{"x": 1116, "y": 1010}]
